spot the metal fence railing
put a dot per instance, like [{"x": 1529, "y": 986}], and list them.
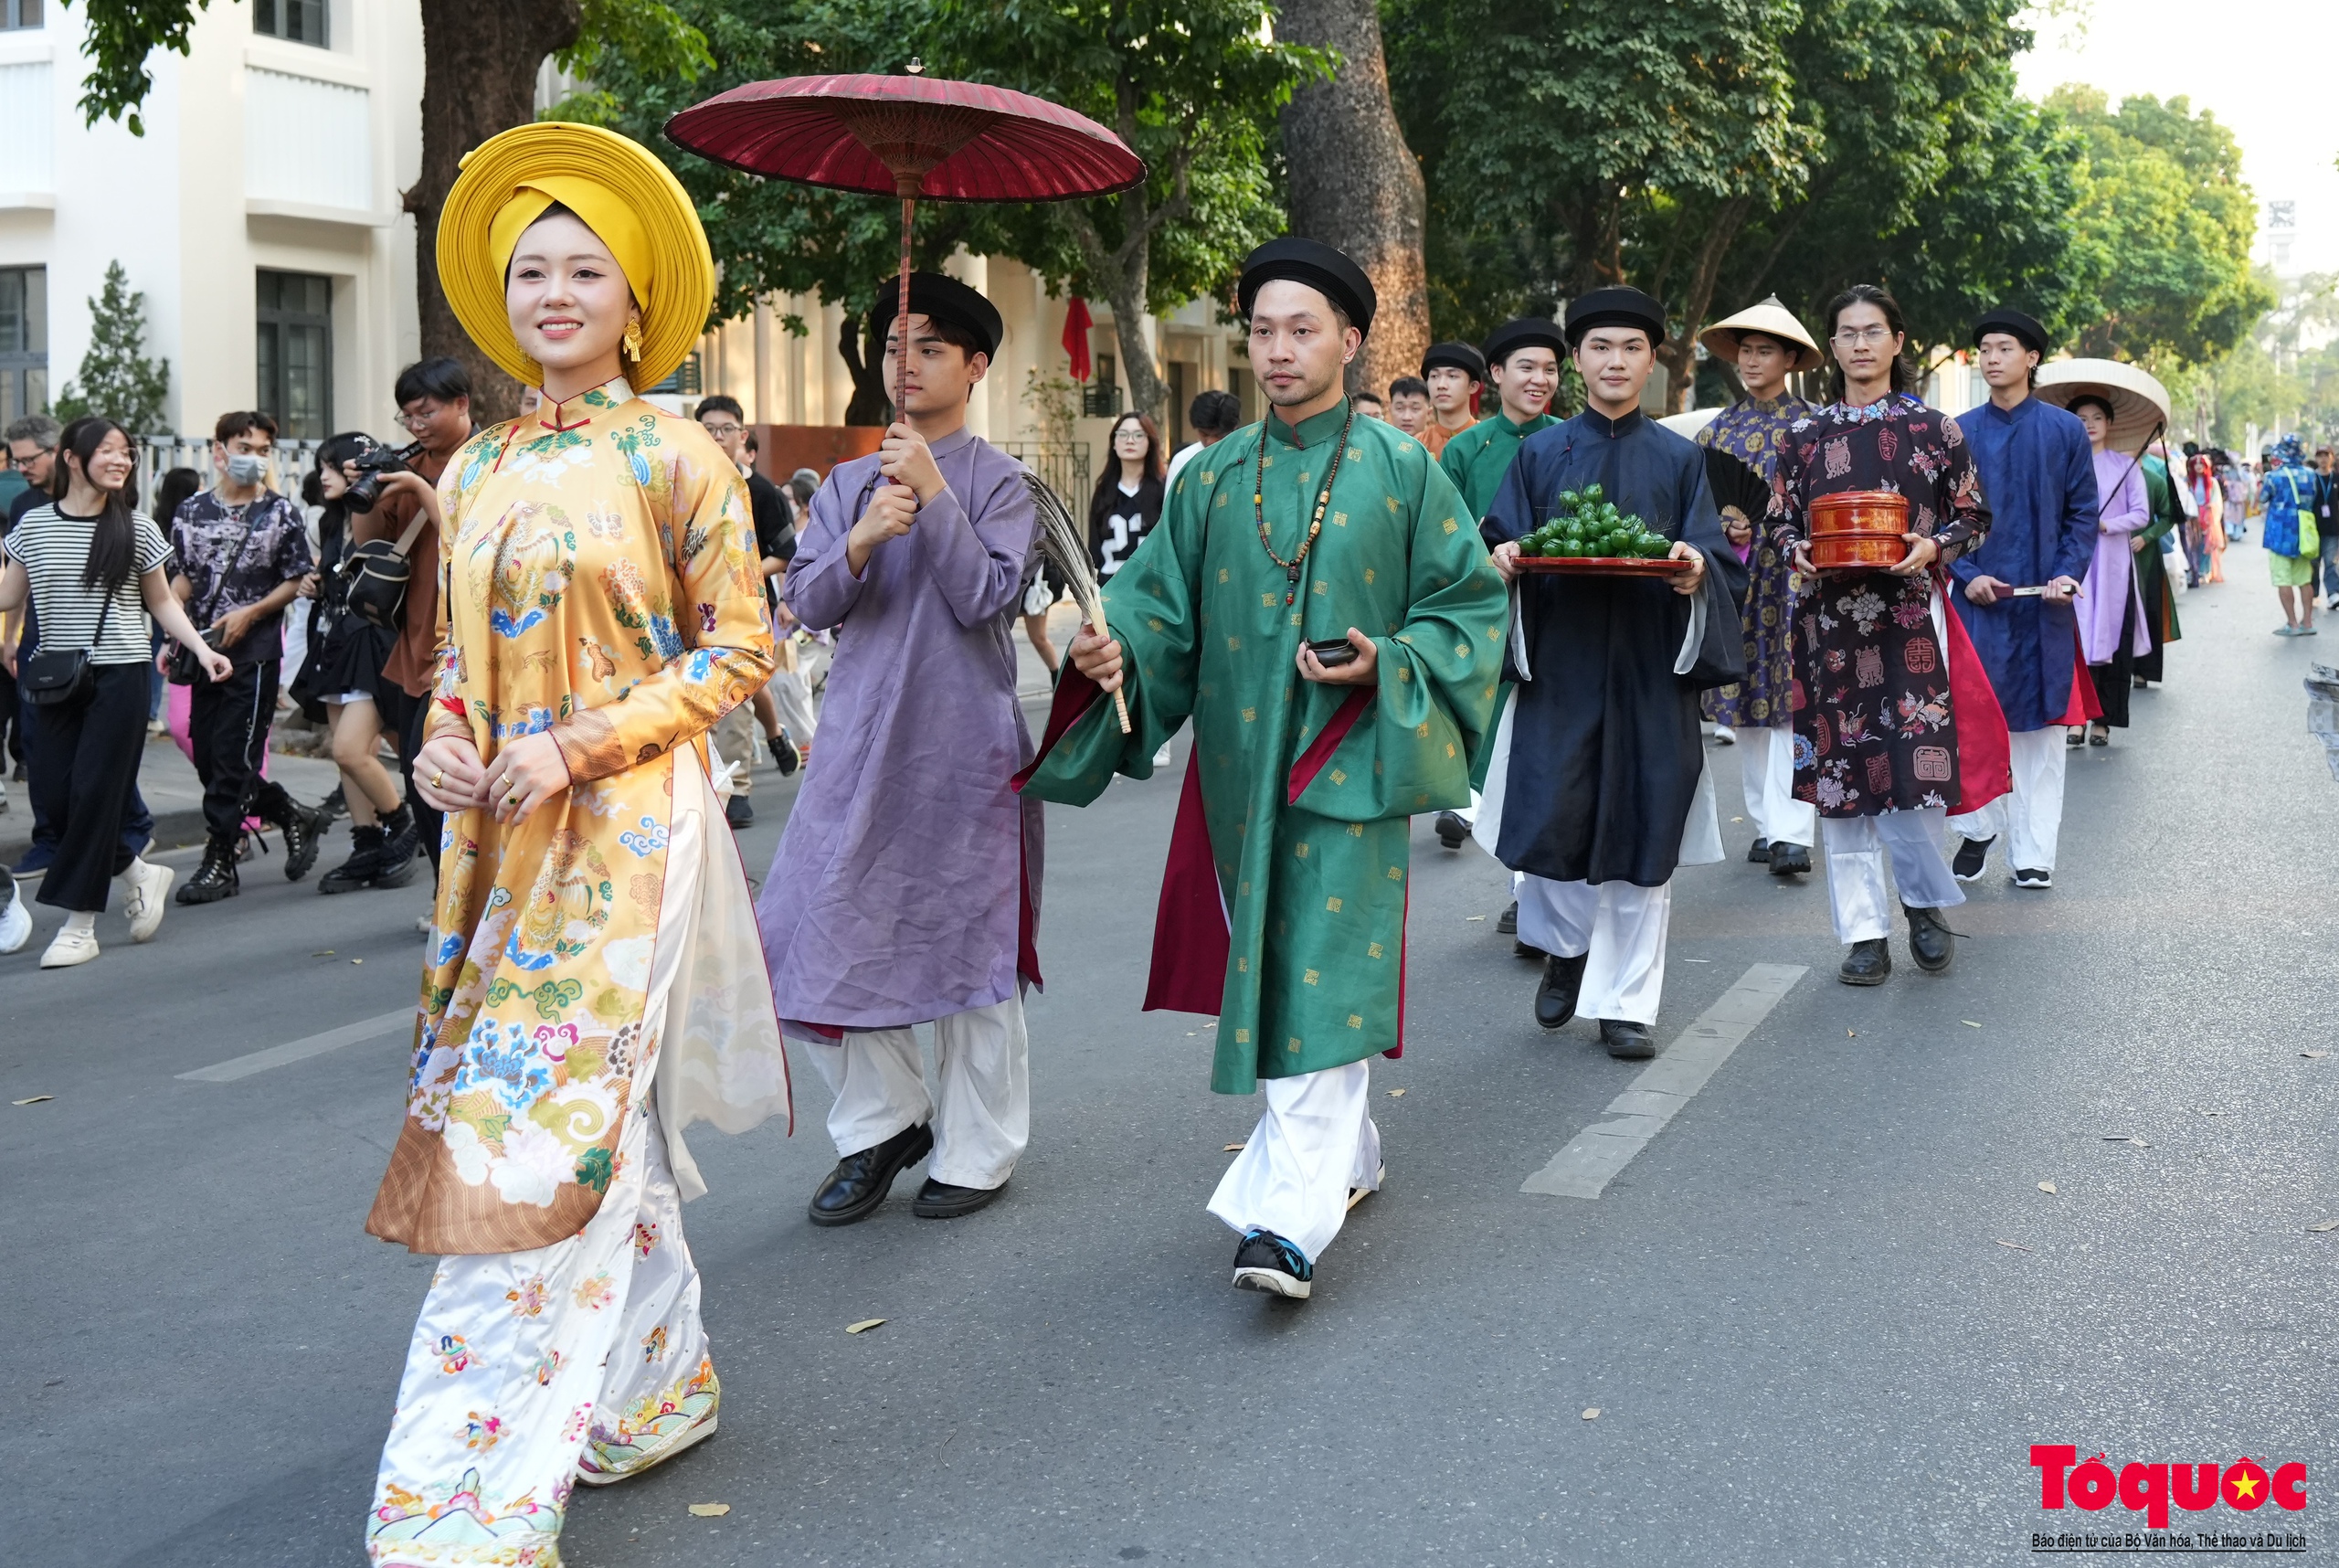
[
  {"x": 1064, "y": 464},
  {"x": 157, "y": 455}
]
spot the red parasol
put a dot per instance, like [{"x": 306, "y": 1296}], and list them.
[{"x": 908, "y": 136}]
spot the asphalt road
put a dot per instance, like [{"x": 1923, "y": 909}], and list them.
[{"x": 1822, "y": 1315}]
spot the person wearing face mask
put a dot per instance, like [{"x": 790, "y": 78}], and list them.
[
  {"x": 592, "y": 980},
  {"x": 243, "y": 553}
]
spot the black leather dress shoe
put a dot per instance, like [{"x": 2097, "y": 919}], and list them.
[
  {"x": 1869, "y": 963},
  {"x": 1626, "y": 1040},
  {"x": 860, "y": 1182},
  {"x": 1760, "y": 852},
  {"x": 1929, "y": 939},
  {"x": 941, "y": 1200},
  {"x": 1452, "y": 829},
  {"x": 738, "y": 813},
  {"x": 1790, "y": 860},
  {"x": 1508, "y": 924},
  {"x": 1555, "y": 998}
]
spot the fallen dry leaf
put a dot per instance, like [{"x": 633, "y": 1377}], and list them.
[
  {"x": 2314, "y": 1056},
  {"x": 1851, "y": 1034},
  {"x": 327, "y": 954},
  {"x": 863, "y": 1326},
  {"x": 2047, "y": 1187},
  {"x": 35, "y": 1099},
  {"x": 1396, "y": 1094},
  {"x": 1473, "y": 917},
  {"x": 1592, "y": 1414},
  {"x": 2125, "y": 1138},
  {"x": 356, "y": 960},
  {"x": 710, "y": 1511},
  {"x": 1969, "y": 1024},
  {"x": 1697, "y": 960},
  {"x": 1233, "y": 1148},
  {"x": 2326, "y": 1225},
  {"x": 1738, "y": 819},
  {"x": 2017, "y": 1246}
]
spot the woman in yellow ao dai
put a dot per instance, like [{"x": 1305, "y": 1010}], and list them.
[{"x": 594, "y": 982}]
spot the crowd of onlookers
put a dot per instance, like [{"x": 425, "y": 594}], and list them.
[{"x": 220, "y": 605}]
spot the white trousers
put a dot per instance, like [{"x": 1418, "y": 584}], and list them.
[
  {"x": 526, "y": 1367},
  {"x": 1766, "y": 768},
  {"x": 2030, "y": 815},
  {"x": 1857, "y": 894},
  {"x": 981, "y": 1110},
  {"x": 1315, "y": 1143},
  {"x": 736, "y": 738},
  {"x": 1621, "y": 927},
  {"x": 791, "y": 687}
]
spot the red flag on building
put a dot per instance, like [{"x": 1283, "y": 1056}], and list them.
[{"x": 1077, "y": 324}]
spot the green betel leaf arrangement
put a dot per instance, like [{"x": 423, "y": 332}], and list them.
[{"x": 1588, "y": 527}]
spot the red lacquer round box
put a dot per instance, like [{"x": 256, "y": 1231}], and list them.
[{"x": 1858, "y": 529}]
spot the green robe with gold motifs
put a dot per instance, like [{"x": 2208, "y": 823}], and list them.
[{"x": 1312, "y": 888}]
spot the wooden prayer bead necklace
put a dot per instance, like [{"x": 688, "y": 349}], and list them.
[{"x": 1315, "y": 524}]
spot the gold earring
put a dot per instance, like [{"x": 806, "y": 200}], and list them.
[{"x": 633, "y": 339}]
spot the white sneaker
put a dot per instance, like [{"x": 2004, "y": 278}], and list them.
[
  {"x": 422, "y": 925},
  {"x": 1725, "y": 736},
  {"x": 16, "y": 920},
  {"x": 70, "y": 947},
  {"x": 145, "y": 893}
]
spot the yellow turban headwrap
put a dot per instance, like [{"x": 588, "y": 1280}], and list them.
[{"x": 621, "y": 192}]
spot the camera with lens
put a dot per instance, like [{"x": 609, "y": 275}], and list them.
[{"x": 365, "y": 490}]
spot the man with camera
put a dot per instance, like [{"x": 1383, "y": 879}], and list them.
[
  {"x": 735, "y": 732},
  {"x": 434, "y": 399},
  {"x": 242, "y": 551}
]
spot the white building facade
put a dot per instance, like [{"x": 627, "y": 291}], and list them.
[{"x": 259, "y": 214}]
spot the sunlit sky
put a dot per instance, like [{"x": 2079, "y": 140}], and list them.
[{"x": 2265, "y": 68}]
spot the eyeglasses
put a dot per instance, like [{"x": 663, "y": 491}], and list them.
[
  {"x": 415, "y": 419},
  {"x": 1864, "y": 337},
  {"x": 722, "y": 432}
]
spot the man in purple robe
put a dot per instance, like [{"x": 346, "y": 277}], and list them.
[{"x": 905, "y": 890}]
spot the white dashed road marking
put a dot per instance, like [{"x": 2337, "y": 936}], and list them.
[
  {"x": 1594, "y": 1157},
  {"x": 236, "y": 1067}
]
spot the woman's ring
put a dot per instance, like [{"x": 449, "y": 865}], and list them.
[
  {"x": 437, "y": 778},
  {"x": 513, "y": 799}
]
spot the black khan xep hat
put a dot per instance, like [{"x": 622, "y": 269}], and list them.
[
  {"x": 1525, "y": 332},
  {"x": 941, "y": 298},
  {"x": 2023, "y": 329},
  {"x": 1458, "y": 356},
  {"x": 1619, "y": 306},
  {"x": 1319, "y": 267}
]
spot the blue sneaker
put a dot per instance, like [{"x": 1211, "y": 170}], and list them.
[
  {"x": 37, "y": 859},
  {"x": 1267, "y": 1262}
]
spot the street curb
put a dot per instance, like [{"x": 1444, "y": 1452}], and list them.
[{"x": 173, "y": 830}]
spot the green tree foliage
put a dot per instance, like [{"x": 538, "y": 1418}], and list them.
[
  {"x": 2282, "y": 376},
  {"x": 117, "y": 379},
  {"x": 2166, "y": 227}
]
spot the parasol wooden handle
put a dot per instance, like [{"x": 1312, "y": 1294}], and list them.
[{"x": 1097, "y": 624}]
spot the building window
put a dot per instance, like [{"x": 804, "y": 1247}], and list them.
[
  {"x": 16, "y": 14},
  {"x": 1100, "y": 395},
  {"x": 687, "y": 381},
  {"x": 295, "y": 21},
  {"x": 295, "y": 344},
  {"x": 24, "y": 342}
]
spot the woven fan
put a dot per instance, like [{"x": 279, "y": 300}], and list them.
[{"x": 1060, "y": 542}]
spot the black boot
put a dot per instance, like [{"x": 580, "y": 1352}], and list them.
[
  {"x": 1452, "y": 829},
  {"x": 401, "y": 842},
  {"x": 360, "y": 869},
  {"x": 860, "y": 1182},
  {"x": 1929, "y": 939},
  {"x": 1869, "y": 963},
  {"x": 1790, "y": 860},
  {"x": 1759, "y": 853},
  {"x": 1555, "y": 998},
  {"x": 1626, "y": 1040},
  {"x": 215, "y": 878},
  {"x": 302, "y": 827}
]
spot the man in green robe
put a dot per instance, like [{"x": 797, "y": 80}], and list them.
[
  {"x": 1315, "y": 600},
  {"x": 1523, "y": 363}
]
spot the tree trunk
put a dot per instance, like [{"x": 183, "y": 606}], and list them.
[
  {"x": 862, "y": 353},
  {"x": 478, "y": 77},
  {"x": 1125, "y": 290},
  {"x": 1679, "y": 354},
  {"x": 1355, "y": 184}
]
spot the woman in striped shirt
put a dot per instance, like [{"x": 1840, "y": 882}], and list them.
[{"x": 95, "y": 571}]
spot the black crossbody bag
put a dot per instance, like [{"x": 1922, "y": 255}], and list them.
[{"x": 63, "y": 677}]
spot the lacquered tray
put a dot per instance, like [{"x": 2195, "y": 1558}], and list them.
[{"x": 1605, "y": 566}]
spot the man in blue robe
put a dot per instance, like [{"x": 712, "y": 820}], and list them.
[
  {"x": 2039, "y": 479},
  {"x": 1598, "y": 761}
]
